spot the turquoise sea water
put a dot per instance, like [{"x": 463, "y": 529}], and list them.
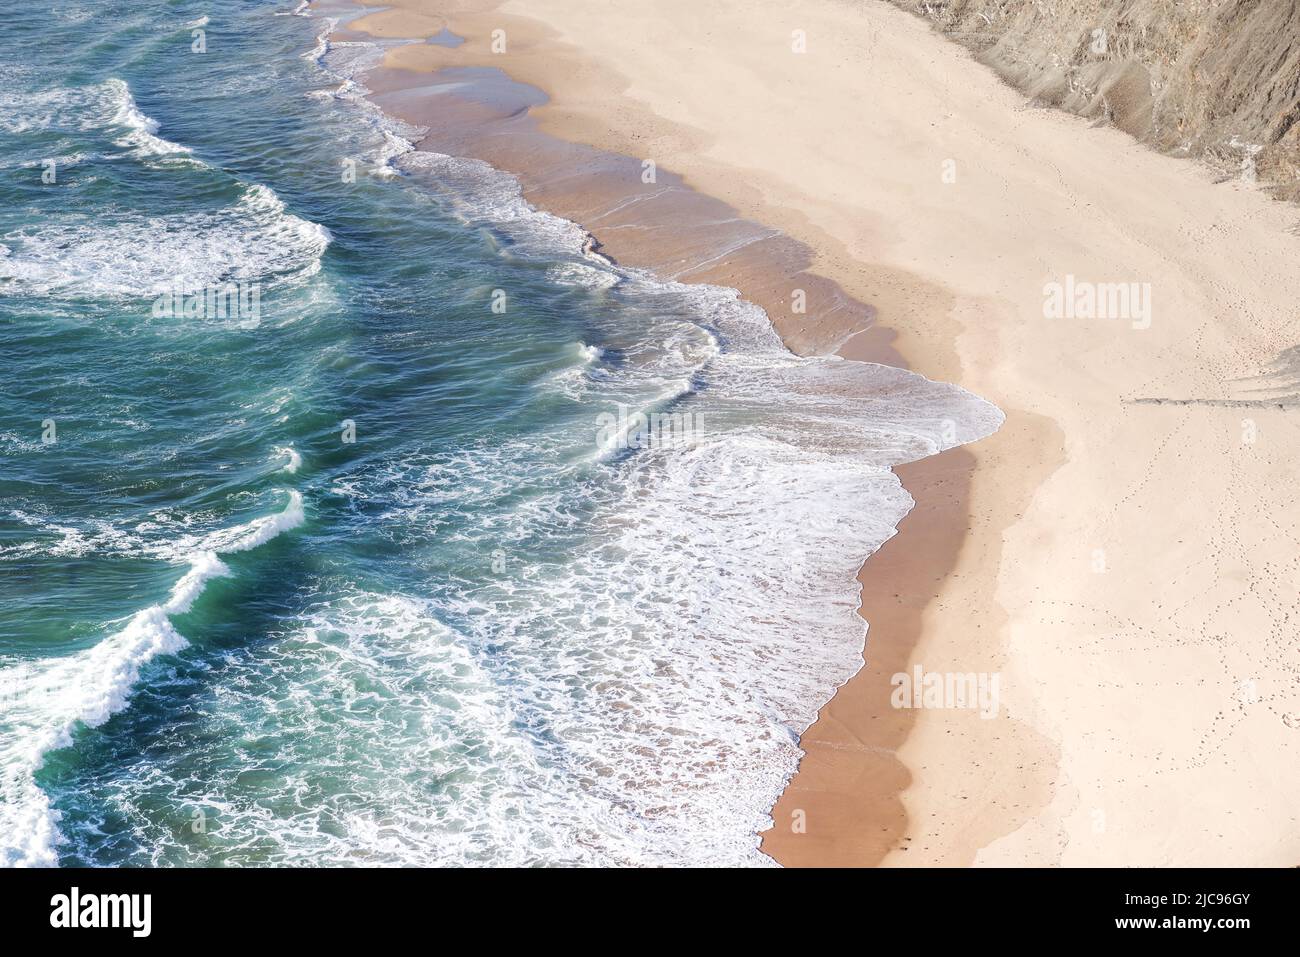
[{"x": 369, "y": 571}]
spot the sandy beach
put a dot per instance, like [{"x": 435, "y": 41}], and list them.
[{"x": 1123, "y": 554}]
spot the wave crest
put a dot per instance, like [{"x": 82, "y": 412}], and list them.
[{"x": 47, "y": 700}]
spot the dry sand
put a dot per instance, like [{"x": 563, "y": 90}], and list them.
[{"x": 1129, "y": 569}]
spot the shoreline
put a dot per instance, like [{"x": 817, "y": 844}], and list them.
[
  {"x": 762, "y": 266},
  {"x": 1077, "y": 578}
]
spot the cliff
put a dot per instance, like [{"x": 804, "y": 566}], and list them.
[{"x": 1218, "y": 80}]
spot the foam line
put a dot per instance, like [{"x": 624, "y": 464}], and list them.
[{"x": 44, "y": 702}]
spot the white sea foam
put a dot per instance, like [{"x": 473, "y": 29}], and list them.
[
  {"x": 584, "y": 274},
  {"x": 256, "y": 238},
  {"x": 92, "y": 538},
  {"x": 428, "y": 751},
  {"x": 133, "y": 255},
  {"x": 109, "y": 106},
  {"x": 317, "y": 53},
  {"x": 164, "y": 537},
  {"x": 634, "y": 695},
  {"x": 43, "y": 702},
  {"x": 345, "y": 63},
  {"x": 292, "y": 460},
  {"x": 382, "y": 158},
  {"x": 480, "y": 194},
  {"x": 60, "y": 162}
]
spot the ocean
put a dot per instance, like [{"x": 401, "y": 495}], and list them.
[{"x": 354, "y": 512}]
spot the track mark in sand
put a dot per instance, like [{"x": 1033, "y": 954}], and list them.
[{"x": 1289, "y": 402}]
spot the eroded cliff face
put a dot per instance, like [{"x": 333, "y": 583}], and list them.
[{"x": 1214, "y": 79}]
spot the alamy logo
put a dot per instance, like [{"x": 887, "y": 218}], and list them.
[
  {"x": 232, "y": 300},
  {"x": 946, "y": 689},
  {"x": 1077, "y": 299},
  {"x": 657, "y": 430},
  {"x": 103, "y": 910}
]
